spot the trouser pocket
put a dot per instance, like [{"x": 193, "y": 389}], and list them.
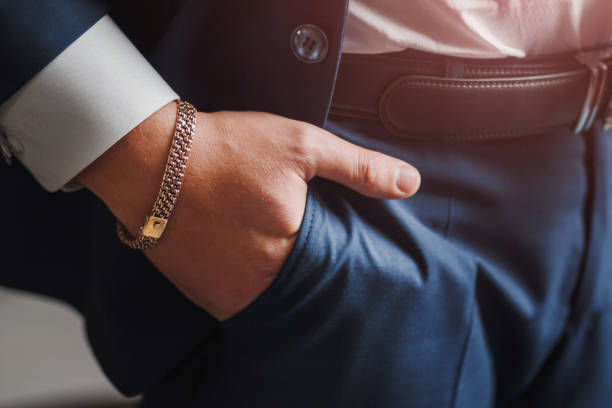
[{"x": 371, "y": 308}]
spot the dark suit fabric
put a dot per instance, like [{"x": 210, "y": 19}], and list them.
[
  {"x": 216, "y": 54},
  {"x": 491, "y": 287}
]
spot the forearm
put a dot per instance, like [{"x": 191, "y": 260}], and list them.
[{"x": 243, "y": 196}]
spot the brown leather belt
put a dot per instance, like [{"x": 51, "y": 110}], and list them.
[{"x": 419, "y": 97}]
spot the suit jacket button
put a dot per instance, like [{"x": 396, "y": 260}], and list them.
[{"x": 309, "y": 43}]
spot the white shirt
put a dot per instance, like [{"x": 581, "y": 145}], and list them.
[
  {"x": 83, "y": 102},
  {"x": 478, "y": 28},
  {"x": 101, "y": 87}
]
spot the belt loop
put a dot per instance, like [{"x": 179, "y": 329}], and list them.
[
  {"x": 597, "y": 87},
  {"x": 454, "y": 68}
]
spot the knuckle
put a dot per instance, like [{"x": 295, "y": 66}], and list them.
[
  {"x": 303, "y": 146},
  {"x": 365, "y": 169},
  {"x": 302, "y": 139},
  {"x": 270, "y": 251},
  {"x": 288, "y": 224},
  {"x": 288, "y": 216}
]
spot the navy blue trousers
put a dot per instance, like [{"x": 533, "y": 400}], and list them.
[{"x": 491, "y": 287}]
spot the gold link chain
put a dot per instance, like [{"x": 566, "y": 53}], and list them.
[{"x": 153, "y": 228}]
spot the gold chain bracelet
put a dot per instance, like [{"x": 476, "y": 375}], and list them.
[{"x": 155, "y": 224}]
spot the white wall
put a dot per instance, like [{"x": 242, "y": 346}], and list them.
[{"x": 45, "y": 361}]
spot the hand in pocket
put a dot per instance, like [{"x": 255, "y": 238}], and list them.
[{"x": 242, "y": 199}]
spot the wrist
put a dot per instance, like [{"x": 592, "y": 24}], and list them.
[{"x": 127, "y": 176}]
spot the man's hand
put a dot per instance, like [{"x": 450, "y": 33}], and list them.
[{"x": 242, "y": 199}]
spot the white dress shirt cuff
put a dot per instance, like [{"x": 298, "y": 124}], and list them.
[{"x": 82, "y": 103}]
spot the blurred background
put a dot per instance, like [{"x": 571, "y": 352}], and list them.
[{"x": 45, "y": 361}]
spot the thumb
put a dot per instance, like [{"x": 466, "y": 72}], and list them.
[{"x": 368, "y": 172}]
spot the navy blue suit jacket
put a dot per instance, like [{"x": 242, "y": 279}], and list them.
[{"x": 220, "y": 55}]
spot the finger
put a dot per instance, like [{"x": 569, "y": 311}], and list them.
[{"x": 368, "y": 172}]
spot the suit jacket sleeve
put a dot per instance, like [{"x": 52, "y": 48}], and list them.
[
  {"x": 64, "y": 246},
  {"x": 34, "y": 32}
]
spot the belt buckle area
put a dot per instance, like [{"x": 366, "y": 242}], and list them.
[{"x": 594, "y": 60}]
